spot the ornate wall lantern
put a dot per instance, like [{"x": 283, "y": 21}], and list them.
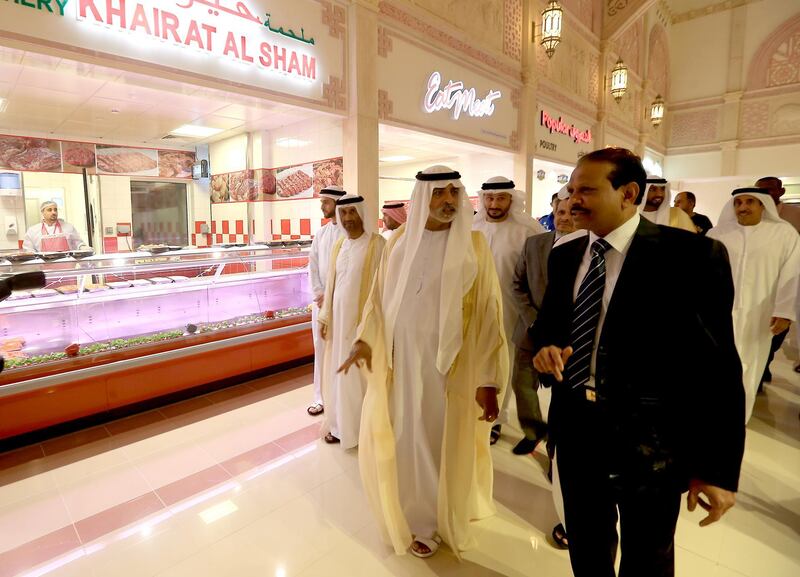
[
  {"x": 657, "y": 111},
  {"x": 552, "y": 17},
  {"x": 619, "y": 80}
]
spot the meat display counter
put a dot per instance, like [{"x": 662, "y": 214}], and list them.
[{"x": 109, "y": 331}]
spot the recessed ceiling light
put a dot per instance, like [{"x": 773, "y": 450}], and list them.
[
  {"x": 396, "y": 158},
  {"x": 194, "y": 131},
  {"x": 3, "y": 104},
  {"x": 288, "y": 142}
]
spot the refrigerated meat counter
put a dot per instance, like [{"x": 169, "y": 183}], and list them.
[{"x": 108, "y": 331}]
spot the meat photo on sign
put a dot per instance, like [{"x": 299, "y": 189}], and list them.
[
  {"x": 296, "y": 181},
  {"x": 34, "y": 154},
  {"x": 265, "y": 179},
  {"x": 135, "y": 161},
  {"x": 219, "y": 188},
  {"x": 328, "y": 173},
  {"x": 242, "y": 186},
  {"x": 77, "y": 156},
  {"x": 175, "y": 163}
]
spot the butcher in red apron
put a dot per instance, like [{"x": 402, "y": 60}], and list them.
[{"x": 52, "y": 234}]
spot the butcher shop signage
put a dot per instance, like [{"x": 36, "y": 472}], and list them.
[
  {"x": 560, "y": 126},
  {"x": 52, "y": 6},
  {"x": 455, "y": 98},
  {"x": 45, "y": 155},
  {"x": 282, "y": 45}
]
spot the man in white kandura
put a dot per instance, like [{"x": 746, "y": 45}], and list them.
[
  {"x": 354, "y": 260},
  {"x": 318, "y": 260},
  {"x": 52, "y": 234},
  {"x": 505, "y": 224},
  {"x": 656, "y": 206},
  {"x": 764, "y": 252},
  {"x": 433, "y": 344}
]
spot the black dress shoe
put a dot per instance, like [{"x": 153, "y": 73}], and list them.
[
  {"x": 494, "y": 435},
  {"x": 525, "y": 446}
]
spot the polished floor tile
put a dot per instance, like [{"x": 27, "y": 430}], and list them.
[{"x": 238, "y": 482}]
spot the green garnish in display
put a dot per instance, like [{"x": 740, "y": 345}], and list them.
[{"x": 123, "y": 343}]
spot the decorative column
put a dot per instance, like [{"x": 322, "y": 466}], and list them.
[
  {"x": 524, "y": 100},
  {"x": 361, "y": 126}
]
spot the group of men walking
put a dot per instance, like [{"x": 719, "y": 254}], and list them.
[{"x": 418, "y": 337}]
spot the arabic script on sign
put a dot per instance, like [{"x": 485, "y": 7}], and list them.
[
  {"x": 207, "y": 26},
  {"x": 455, "y": 98}
]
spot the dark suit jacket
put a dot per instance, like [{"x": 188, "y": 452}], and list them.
[
  {"x": 667, "y": 375},
  {"x": 530, "y": 282}
]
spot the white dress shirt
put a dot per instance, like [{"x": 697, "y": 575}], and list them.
[{"x": 620, "y": 240}]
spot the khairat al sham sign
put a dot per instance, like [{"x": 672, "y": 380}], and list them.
[
  {"x": 226, "y": 29},
  {"x": 455, "y": 98},
  {"x": 560, "y": 126}
]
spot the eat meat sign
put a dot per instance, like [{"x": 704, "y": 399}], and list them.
[{"x": 223, "y": 28}]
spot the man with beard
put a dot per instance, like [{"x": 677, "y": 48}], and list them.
[
  {"x": 631, "y": 428},
  {"x": 354, "y": 260},
  {"x": 433, "y": 343},
  {"x": 52, "y": 234},
  {"x": 765, "y": 257},
  {"x": 657, "y": 211},
  {"x": 505, "y": 224},
  {"x": 318, "y": 259}
]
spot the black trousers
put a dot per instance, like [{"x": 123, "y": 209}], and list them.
[
  {"x": 777, "y": 342},
  {"x": 594, "y": 496}
]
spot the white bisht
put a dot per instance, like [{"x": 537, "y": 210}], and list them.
[
  {"x": 352, "y": 268},
  {"x": 765, "y": 261},
  {"x": 469, "y": 352}
]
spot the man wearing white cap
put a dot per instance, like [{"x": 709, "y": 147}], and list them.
[
  {"x": 53, "y": 234},
  {"x": 432, "y": 340},
  {"x": 318, "y": 260},
  {"x": 765, "y": 261},
  {"x": 354, "y": 260},
  {"x": 505, "y": 224},
  {"x": 657, "y": 211},
  {"x": 394, "y": 214}
]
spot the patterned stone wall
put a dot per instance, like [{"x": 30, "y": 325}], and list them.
[{"x": 481, "y": 19}]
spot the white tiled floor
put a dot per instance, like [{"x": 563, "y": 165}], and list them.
[{"x": 295, "y": 507}]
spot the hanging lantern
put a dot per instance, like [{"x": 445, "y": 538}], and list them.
[
  {"x": 657, "y": 111},
  {"x": 619, "y": 80},
  {"x": 552, "y": 16}
]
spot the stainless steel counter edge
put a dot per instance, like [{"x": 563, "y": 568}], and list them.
[{"x": 62, "y": 378}]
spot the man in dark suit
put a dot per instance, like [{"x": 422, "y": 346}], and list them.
[
  {"x": 530, "y": 282},
  {"x": 632, "y": 429}
]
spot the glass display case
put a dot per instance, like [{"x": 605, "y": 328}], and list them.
[{"x": 98, "y": 314}]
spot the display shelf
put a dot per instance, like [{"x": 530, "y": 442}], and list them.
[{"x": 95, "y": 351}]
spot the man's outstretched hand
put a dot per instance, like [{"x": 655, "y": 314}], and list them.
[
  {"x": 360, "y": 354},
  {"x": 552, "y": 360},
  {"x": 717, "y": 500}
]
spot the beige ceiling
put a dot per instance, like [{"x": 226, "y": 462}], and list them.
[{"x": 74, "y": 100}]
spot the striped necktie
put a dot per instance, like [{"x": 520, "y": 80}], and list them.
[{"x": 586, "y": 316}]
